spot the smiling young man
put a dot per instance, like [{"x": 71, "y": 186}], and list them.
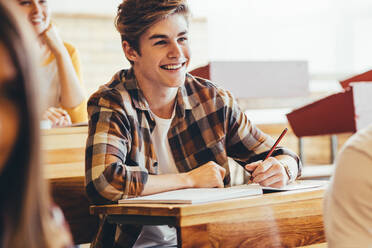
[{"x": 156, "y": 128}]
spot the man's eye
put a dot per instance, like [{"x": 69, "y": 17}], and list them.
[
  {"x": 182, "y": 39},
  {"x": 25, "y": 3},
  {"x": 161, "y": 42}
]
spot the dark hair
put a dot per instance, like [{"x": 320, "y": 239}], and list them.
[
  {"x": 135, "y": 17},
  {"x": 25, "y": 204}
]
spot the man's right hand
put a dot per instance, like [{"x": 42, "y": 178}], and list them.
[{"x": 209, "y": 175}]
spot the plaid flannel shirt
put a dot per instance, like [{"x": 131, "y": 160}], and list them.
[{"x": 208, "y": 126}]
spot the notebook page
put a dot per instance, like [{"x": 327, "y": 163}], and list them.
[{"x": 197, "y": 195}]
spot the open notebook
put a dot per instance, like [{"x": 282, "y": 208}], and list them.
[{"x": 203, "y": 195}]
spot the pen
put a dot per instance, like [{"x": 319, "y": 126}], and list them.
[
  {"x": 272, "y": 148},
  {"x": 276, "y": 143}
]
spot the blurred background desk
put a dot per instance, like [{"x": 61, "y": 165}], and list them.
[{"x": 63, "y": 151}]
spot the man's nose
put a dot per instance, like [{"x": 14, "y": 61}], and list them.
[{"x": 175, "y": 50}]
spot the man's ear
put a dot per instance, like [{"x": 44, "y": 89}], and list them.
[{"x": 129, "y": 52}]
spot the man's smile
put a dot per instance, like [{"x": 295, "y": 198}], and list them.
[{"x": 173, "y": 66}]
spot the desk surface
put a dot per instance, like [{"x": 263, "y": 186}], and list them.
[{"x": 65, "y": 130}]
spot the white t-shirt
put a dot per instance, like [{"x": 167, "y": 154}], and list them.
[
  {"x": 160, "y": 235},
  {"x": 161, "y": 144},
  {"x": 52, "y": 85},
  {"x": 348, "y": 200}
]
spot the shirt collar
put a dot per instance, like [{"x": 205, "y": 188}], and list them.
[
  {"x": 184, "y": 101},
  {"x": 131, "y": 85}
]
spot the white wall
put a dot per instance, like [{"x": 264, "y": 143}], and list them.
[
  {"x": 85, "y": 6},
  {"x": 333, "y": 35},
  {"x": 199, "y": 7}
]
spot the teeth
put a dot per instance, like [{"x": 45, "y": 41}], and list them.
[
  {"x": 172, "y": 67},
  {"x": 37, "y": 19}
]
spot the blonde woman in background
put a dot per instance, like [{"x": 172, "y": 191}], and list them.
[
  {"x": 60, "y": 68},
  {"x": 28, "y": 218}
]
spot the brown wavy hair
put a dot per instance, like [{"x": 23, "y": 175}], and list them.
[
  {"x": 25, "y": 206},
  {"x": 135, "y": 17}
]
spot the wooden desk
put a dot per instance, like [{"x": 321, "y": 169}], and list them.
[
  {"x": 64, "y": 151},
  {"x": 287, "y": 219},
  {"x": 64, "y": 158}
]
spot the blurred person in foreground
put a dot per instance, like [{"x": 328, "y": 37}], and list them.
[
  {"x": 28, "y": 218},
  {"x": 348, "y": 200}
]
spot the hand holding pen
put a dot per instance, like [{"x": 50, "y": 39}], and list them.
[{"x": 268, "y": 172}]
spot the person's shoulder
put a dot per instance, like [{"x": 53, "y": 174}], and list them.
[
  {"x": 361, "y": 141},
  {"x": 115, "y": 84},
  {"x": 199, "y": 82},
  {"x": 113, "y": 91}
]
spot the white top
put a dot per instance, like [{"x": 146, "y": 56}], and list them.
[
  {"x": 161, "y": 144},
  {"x": 52, "y": 87},
  {"x": 164, "y": 235},
  {"x": 348, "y": 201}
]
